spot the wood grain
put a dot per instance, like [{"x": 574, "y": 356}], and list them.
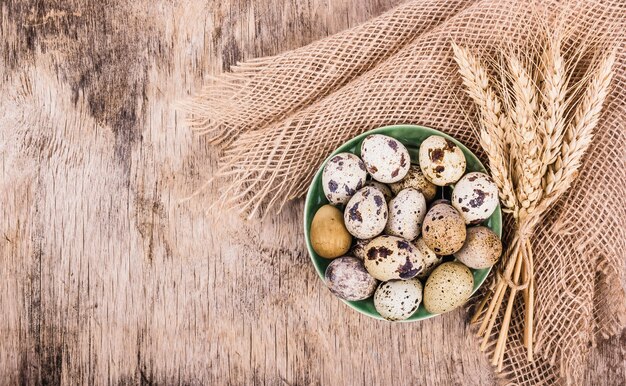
[{"x": 108, "y": 277}]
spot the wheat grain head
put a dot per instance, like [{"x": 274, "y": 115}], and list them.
[
  {"x": 492, "y": 134},
  {"x": 578, "y": 133}
]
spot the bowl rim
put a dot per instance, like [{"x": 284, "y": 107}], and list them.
[{"x": 383, "y": 130}]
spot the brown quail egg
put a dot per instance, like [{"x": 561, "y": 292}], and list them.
[
  {"x": 482, "y": 248},
  {"x": 406, "y": 214},
  {"x": 447, "y": 287},
  {"x": 347, "y": 278},
  {"x": 329, "y": 236},
  {"x": 343, "y": 175},
  {"x": 441, "y": 161},
  {"x": 443, "y": 229},
  {"x": 398, "y": 299},
  {"x": 366, "y": 213},
  {"x": 391, "y": 257},
  {"x": 386, "y": 159},
  {"x": 475, "y": 196},
  {"x": 431, "y": 259},
  {"x": 415, "y": 179},
  {"x": 384, "y": 189},
  {"x": 358, "y": 249}
]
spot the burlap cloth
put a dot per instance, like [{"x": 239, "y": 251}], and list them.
[{"x": 277, "y": 118}]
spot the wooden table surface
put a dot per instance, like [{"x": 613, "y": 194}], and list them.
[{"x": 107, "y": 277}]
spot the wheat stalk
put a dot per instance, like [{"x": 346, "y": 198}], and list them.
[
  {"x": 493, "y": 124},
  {"x": 579, "y": 133},
  {"x": 527, "y": 150},
  {"x": 553, "y": 102}
]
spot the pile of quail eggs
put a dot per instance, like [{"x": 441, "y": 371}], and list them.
[{"x": 391, "y": 239}]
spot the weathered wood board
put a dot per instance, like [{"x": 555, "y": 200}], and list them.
[{"x": 107, "y": 276}]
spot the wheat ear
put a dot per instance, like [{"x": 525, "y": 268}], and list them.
[
  {"x": 553, "y": 102},
  {"x": 492, "y": 122},
  {"x": 528, "y": 149},
  {"x": 579, "y": 133}
]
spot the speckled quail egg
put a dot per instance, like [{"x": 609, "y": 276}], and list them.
[
  {"x": 447, "y": 287},
  {"x": 431, "y": 259},
  {"x": 441, "y": 161},
  {"x": 406, "y": 214},
  {"x": 343, "y": 175},
  {"x": 384, "y": 189},
  {"x": 475, "y": 196},
  {"x": 482, "y": 248},
  {"x": 398, "y": 299},
  {"x": 358, "y": 249},
  {"x": 443, "y": 229},
  {"x": 386, "y": 159},
  {"x": 391, "y": 257},
  {"x": 416, "y": 179},
  {"x": 366, "y": 213},
  {"x": 329, "y": 236},
  {"x": 347, "y": 278},
  {"x": 440, "y": 201}
]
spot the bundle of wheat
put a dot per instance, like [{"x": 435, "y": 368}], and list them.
[{"x": 535, "y": 147}]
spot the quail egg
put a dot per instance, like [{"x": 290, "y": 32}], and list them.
[
  {"x": 482, "y": 248},
  {"x": 475, "y": 196},
  {"x": 440, "y": 201},
  {"x": 431, "y": 259},
  {"x": 358, "y": 249},
  {"x": 329, "y": 236},
  {"x": 343, "y": 175},
  {"x": 415, "y": 179},
  {"x": 386, "y": 159},
  {"x": 447, "y": 287},
  {"x": 406, "y": 214},
  {"x": 391, "y": 257},
  {"x": 366, "y": 213},
  {"x": 384, "y": 189},
  {"x": 441, "y": 161},
  {"x": 398, "y": 299},
  {"x": 347, "y": 278},
  {"x": 443, "y": 229}
]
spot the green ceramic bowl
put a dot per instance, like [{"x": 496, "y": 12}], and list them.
[{"x": 411, "y": 136}]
